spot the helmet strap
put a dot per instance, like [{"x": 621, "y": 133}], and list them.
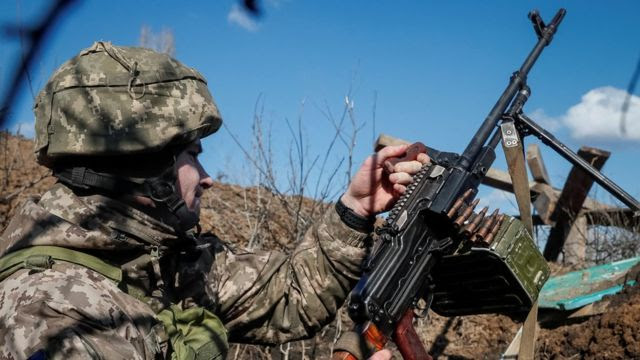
[
  {"x": 163, "y": 192},
  {"x": 160, "y": 189}
]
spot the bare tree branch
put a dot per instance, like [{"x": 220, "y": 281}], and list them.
[
  {"x": 627, "y": 100},
  {"x": 37, "y": 36}
]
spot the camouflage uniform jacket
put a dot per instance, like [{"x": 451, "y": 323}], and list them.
[{"x": 72, "y": 311}]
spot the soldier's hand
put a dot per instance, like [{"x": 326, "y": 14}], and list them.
[
  {"x": 381, "y": 355},
  {"x": 373, "y": 190}
]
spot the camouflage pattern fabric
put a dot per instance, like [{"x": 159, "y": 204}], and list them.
[
  {"x": 115, "y": 100},
  {"x": 73, "y": 312}
]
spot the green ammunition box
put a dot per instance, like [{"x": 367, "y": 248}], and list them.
[{"x": 504, "y": 278}]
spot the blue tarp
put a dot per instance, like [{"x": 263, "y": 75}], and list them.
[{"x": 579, "y": 288}]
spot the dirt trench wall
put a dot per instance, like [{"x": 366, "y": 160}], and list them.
[{"x": 244, "y": 216}]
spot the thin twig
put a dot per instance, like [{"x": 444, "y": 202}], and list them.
[{"x": 36, "y": 35}]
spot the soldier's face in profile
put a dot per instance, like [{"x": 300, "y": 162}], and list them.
[{"x": 192, "y": 178}]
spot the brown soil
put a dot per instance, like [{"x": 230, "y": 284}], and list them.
[
  {"x": 467, "y": 337},
  {"x": 20, "y": 176},
  {"x": 256, "y": 217},
  {"x": 615, "y": 334}
]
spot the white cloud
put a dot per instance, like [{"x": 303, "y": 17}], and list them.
[
  {"x": 240, "y": 17},
  {"x": 25, "y": 129},
  {"x": 548, "y": 122},
  {"x": 597, "y": 116}
]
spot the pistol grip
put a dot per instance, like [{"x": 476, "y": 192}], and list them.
[{"x": 408, "y": 341}]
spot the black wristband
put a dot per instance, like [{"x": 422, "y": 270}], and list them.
[{"x": 353, "y": 220}]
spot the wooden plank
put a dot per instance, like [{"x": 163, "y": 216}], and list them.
[
  {"x": 514, "y": 155},
  {"x": 578, "y": 183},
  {"x": 546, "y": 198},
  {"x": 536, "y": 165},
  {"x": 555, "y": 318},
  {"x": 571, "y": 201},
  {"x": 501, "y": 180},
  {"x": 529, "y": 334},
  {"x": 545, "y": 201},
  {"x": 575, "y": 246},
  {"x": 514, "y": 347}
]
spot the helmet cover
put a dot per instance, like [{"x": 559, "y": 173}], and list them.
[{"x": 112, "y": 100}]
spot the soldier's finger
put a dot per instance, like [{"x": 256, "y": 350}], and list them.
[
  {"x": 399, "y": 188},
  {"x": 400, "y": 178},
  {"x": 423, "y": 158},
  {"x": 384, "y": 354},
  {"x": 389, "y": 152},
  {"x": 410, "y": 167}
]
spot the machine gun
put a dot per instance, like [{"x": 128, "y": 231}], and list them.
[
  {"x": 423, "y": 229},
  {"x": 432, "y": 246}
]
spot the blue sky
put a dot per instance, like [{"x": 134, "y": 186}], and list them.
[{"x": 429, "y": 71}]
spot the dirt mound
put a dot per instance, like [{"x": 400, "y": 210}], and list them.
[
  {"x": 255, "y": 217},
  {"x": 615, "y": 334},
  {"x": 20, "y": 176},
  {"x": 467, "y": 337}
]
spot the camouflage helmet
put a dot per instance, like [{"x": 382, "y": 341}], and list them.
[{"x": 115, "y": 100}]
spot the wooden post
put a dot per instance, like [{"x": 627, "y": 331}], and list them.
[
  {"x": 545, "y": 202},
  {"x": 514, "y": 154},
  {"x": 536, "y": 165},
  {"x": 571, "y": 200},
  {"x": 575, "y": 250},
  {"x": 501, "y": 180}
]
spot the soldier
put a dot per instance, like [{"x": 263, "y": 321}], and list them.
[{"x": 109, "y": 263}]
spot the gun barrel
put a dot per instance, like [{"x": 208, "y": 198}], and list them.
[{"x": 517, "y": 81}]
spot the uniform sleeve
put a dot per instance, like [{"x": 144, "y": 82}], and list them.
[
  {"x": 70, "y": 312},
  {"x": 270, "y": 298}
]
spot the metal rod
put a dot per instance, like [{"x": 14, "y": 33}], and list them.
[{"x": 548, "y": 139}]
